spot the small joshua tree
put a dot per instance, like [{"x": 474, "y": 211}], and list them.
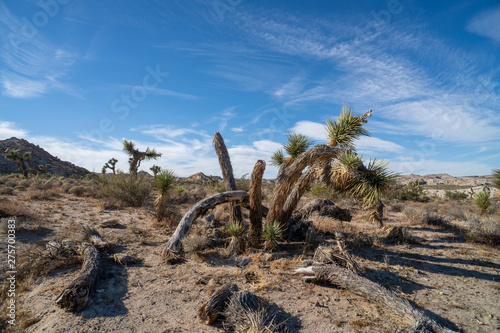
[
  {"x": 155, "y": 169},
  {"x": 111, "y": 164},
  {"x": 482, "y": 200},
  {"x": 14, "y": 155},
  {"x": 296, "y": 145},
  {"x": 164, "y": 182},
  {"x": 44, "y": 168},
  {"x": 136, "y": 156}
]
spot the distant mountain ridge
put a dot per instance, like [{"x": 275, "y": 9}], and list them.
[{"x": 39, "y": 156}]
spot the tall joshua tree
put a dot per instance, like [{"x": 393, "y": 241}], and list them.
[
  {"x": 14, "y": 155},
  {"x": 155, "y": 169},
  {"x": 337, "y": 165},
  {"x": 111, "y": 164},
  {"x": 136, "y": 156}
]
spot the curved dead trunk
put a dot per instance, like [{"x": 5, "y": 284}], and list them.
[
  {"x": 374, "y": 292},
  {"x": 174, "y": 245},
  {"x": 227, "y": 172},
  {"x": 292, "y": 174},
  {"x": 255, "y": 195}
]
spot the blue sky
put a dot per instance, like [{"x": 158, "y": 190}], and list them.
[{"x": 78, "y": 77}]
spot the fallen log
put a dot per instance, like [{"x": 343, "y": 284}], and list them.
[
  {"x": 374, "y": 292},
  {"x": 174, "y": 245},
  {"x": 75, "y": 296}
]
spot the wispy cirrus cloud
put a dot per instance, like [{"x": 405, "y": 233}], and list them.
[
  {"x": 33, "y": 65},
  {"x": 486, "y": 23},
  {"x": 9, "y": 129}
]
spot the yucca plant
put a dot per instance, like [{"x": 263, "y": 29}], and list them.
[
  {"x": 164, "y": 182},
  {"x": 482, "y": 200},
  {"x": 272, "y": 235},
  {"x": 496, "y": 178},
  {"x": 136, "y": 156},
  {"x": 236, "y": 229},
  {"x": 14, "y": 155}
]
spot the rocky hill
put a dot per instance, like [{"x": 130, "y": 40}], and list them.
[
  {"x": 39, "y": 156},
  {"x": 438, "y": 184},
  {"x": 201, "y": 177}
]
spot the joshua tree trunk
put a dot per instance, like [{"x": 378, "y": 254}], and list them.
[
  {"x": 227, "y": 172},
  {"x": 377, "y": 213},
  {"x": 293, "y": 173},
  {"x": 174, "y": 245},
  {"x": 135, "y": 162},
  {"x": 293, "y": 199},
  {"x": 255, "y": 194}
]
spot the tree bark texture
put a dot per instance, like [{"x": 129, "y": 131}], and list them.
[
  {"x": 227, "y": 172},
  {"x": 255, "y": 194}
]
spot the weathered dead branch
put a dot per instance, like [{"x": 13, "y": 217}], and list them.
[
  {"x": 374, "y": 292},
  {"x": 255, "y": 195},
  {"x": 227, "y": 172},
  {"x": 174, "y": 245},
  {"x": 75, "y": 296}
]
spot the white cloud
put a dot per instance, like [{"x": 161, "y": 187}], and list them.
[
  {"x": 237, "y": 129},
  {"x": 313, "y": 130},
  {"x": 165, "y": 132},
  {"x": 8, "y": 129},
  {"x": 486, "y": 24}
]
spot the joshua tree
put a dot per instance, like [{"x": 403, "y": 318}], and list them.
[
  {"x": 111, "y": 164},
  {"x": 136, "y": 156},
  {"x": 44, "y": 168},
  {"x": 14, "y": 155},
  {"x": 155, "y": 169},
  {"x": 164, "y": 182},
  {"x": 337, "y": 165}
]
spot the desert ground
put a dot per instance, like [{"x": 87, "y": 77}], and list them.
[{"x": 445, "y": 261}]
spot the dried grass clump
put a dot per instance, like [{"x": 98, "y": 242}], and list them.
[
  {"x": 7, "y": 191},
  {"x": 399, "y": 235},
  {"x": 50, "y": 194},
  {"x": 413, "y": 216},
  {"x": 77, "y": 190},
  {"x": 194, "y": 243},
  {"x": 434, "y": 219},
  {"x": 483, "y": 230}
]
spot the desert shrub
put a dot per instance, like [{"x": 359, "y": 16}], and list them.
[
  {"x": 454, "y": 195},
  {"x": 13, "y": 183},
  {"x": 6, "y": 190},
  {"x": 77, "y": 190},
  {"x": 396, "y": 207},
  {"x": 412, "y": 215},
  {"x": 219, "y": 187},
  {"x": 20, "y": 188},
  {"x": 125, "y": 189},
  {"x": 412, "y": 191},
  {"x": 482, "y": 200},
  {"x": 243, "y": 183},
  {"x": 41, "y": 183},
  {"x": 235, "y": 229},
  {"x": 320, "y": 190},
  {"x": 34, "y": 194},
  {"x": 434, "y": 219},
  {"x": 195, "y": 242},
  {"x": 180, "y": 190},
  {"x": 483, "y": 230}
]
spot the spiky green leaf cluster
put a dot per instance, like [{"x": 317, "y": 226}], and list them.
[
  {"x": 482, "y": 200},
  {"x": 297, "y": 144},
  {"x": 128, "y": 147},
  {"x": 152, "y": 154},
  {"x": 278, "y": 158},
  {"x": 374, "y": 179},
  {"x": 344, "y": 130},
  {"x": 165, "y": 181},
  {"x": 272, "y": 234},
  {"x": 235, "y": 229},
  {"x": 350, "y": 160}
]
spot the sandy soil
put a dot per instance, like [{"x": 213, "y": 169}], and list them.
[{"x": 454, "y": 282}]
